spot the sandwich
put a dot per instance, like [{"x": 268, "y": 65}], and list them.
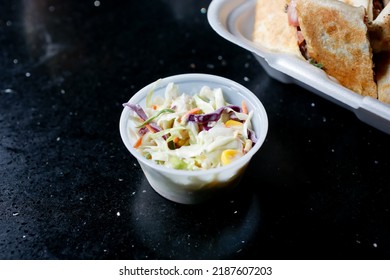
[
  {"x": 334, "y": 35},
  {"x": 342, "y": 37},
  {"x": 373, "y": 7},
  {"x": 382, "y": 65},
  {"x": 368, "y": 5},
  {"x": 272, "y": 30},
  {"x": 378, "y": 6},
  {"x": 379, "y": 31}
]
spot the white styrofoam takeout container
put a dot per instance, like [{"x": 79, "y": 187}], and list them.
[
  {"x": 234, "y": 21},
  {"x": 187, "y": 186}
]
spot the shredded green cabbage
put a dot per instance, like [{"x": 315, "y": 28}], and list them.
[{"x": 185, "y": 143}]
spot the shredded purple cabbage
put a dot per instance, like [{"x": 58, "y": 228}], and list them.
[
  {"x": 141, "y": 113},
  {"x": 252, "y": 136},
  {"x": 143, "y": 130},
  {"x": 234, "y": 117},
  {"x": 201, "y": 119},
  {"x": 137, "y": 109},
  {"x": 215, "y": 116},
  {"x": 211, "y": 117}
]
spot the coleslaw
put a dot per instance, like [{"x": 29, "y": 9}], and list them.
[{"x": 187, "y": 132}]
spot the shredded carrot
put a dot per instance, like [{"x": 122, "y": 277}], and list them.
[
  {"x": 244, "y": 108},
  {"x": 192, "y": 111},
  {"x": 176, "y": 140},
  {"x": 154, "y": 107},
  {"x": 151, "y": 129},
  {"x": 138, "y": 143}
]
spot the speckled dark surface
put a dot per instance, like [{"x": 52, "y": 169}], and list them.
[{"x": 318, "y": 189}]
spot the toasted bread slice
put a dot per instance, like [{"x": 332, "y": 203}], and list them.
[
  {"x": 336, "y": 37},
  {"x": 366, "y": 4},
  {"x": 379, "y": 31},
  {"x": 272, "y": 30}
]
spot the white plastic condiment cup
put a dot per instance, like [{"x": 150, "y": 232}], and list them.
[{"x": 191, "y": 187}]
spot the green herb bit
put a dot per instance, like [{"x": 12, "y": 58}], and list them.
[
  {"x": 171, "y": 145},
  {"x": 316, "y": 64},
  {"x": 177, "y": 163},
  {"x": 163, "y": 111}
]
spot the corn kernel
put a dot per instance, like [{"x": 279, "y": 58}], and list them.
[
  {"x": 231, "y": 123},
  {"x": 228, "y": 156}
]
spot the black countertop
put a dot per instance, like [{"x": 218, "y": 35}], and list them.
[{"x": 318, "y": 189}]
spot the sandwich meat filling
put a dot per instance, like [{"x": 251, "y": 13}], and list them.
[
  {"x": 378, "y": 6},
  {"x": 293, "y": 21}
]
